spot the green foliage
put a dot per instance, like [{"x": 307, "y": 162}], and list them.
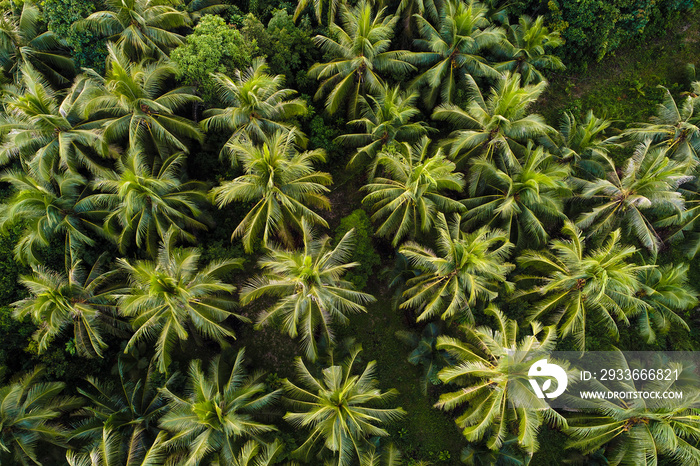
[
  {"x": 341, "y": 409},
  {"x": 311, "y": 293},
  {"x": 174, "y": 297},
  {"x": 10, "y": 290},
  {"x": 364, "y": 253},
  {"x": 29, "y": 411},
  {"x": 220, "y": 407},
  {"x": 16, "y": 334},
  {"x": 322, "y": 133},
  {"x": 593, "y": 28},
  {"x": 213, "y": 47},
  {"x": 125, "y": 146},
  {"x": 88, "y": 50},
  {"x": 291, "y": 49},
  {"x": 282, "y": 183}
]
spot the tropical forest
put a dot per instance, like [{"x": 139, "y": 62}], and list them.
[{"x": 262, "y": 232}]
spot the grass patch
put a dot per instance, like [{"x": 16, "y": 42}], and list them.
[{"x": 426, "y": 433}]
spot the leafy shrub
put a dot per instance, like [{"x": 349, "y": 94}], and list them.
[
  {"x": 213, "y": 46},
  {"x": 594, "y": 28},
  {"x": 10, "y": 289},
  {"x": 15, "y": 336},
  {"x": 88, "y": 50},
  {"x": 288, "y": 48},
  {"x": 364, "y": 250}
]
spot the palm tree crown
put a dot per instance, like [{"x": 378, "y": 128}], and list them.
[
  {"x": 29, "y": 409},
  {"x": 452, "y": 48},
  {"x": 583, "y": 144},
  {"x": 283, "y": 184},
  {"x": 497, "y": 126},
  {"x": 121, "y": 419},
  {"x": 361, "y": 50},
  {"x": 639, "y": 431},
  {"x": 51, "y": 134},
  {"x": 667, "y": 291},
  {"x": 50, "y": 210},
  {"x": 110, "y": 451},
  {"x": 465, "y": 272},
  {"x": 136, "y": 108},
  {"x": 494, "y": 364},
  {"x": 676, "y": 128},
  {"x": 409, "y": 198},
  {"x": 144, "y": 204},
  {"x": 579, "y": 283},
  {"x": 218, "y": 411},
  {"x": 81, "y": 299},
  {"x": 524, "y": 201},
  {"x": 173, "y": 296},
  {"x": 340, "y": 409},
  {"x": 385, "y": 119},
  {"x": 309, "y": 287},
  {"x": 526, "y": 50},
  {"x": 646, "y": 186},
  {"x": 141, "y": 28},
  {"x": 257, "y": 106},
  {"x": 23, "y": 41}
]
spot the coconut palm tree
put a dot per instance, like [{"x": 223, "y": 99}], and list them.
[
  {"x": 311, "y": 293},
  {"x": 218, "y": 412},
  {"x": 666, "y": 290},
  {"x": 122, "y": 418},
  {"x": 453, "y": 48},
  {"x": 283, "y": 184},
  {"x": 50, "y": 133},
  {"x": 140, "y": 28},
  {"x": 340, "y": 409},
  {"x": 576, "y": 283},
  {"x": 497, "y": 126},
  {"x": 80, "y": 299},
  {"x": 583, "y": 144},
  {"x": 136, "y": 107},
  {"x": 465, "y": 272},
  {"x": 29, "y": 413},
  {"x": 50, "y": 210},
  {"x": 640, "y": 430},
  {"x": 24, "y": 40},
  {"x": 525, "y": 51},
  {"x": 360, "y": 50},
  {"x": 143, "y": 204},
  {"x": 257, "y": 106},
  {"x": 172, "y": 297},
  {"x": 676, "y": 128},
  {"x": 385, "y": 119},
  {"x": 646, "y": 186},
  {"x": 492, "y": 369},
  {"x": 408, "y": 200},
  {"x": 110, "y": 451},
  {"x": 523, "y": 201}
]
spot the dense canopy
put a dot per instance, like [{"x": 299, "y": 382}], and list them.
[{"x": 342, "y": 233}]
